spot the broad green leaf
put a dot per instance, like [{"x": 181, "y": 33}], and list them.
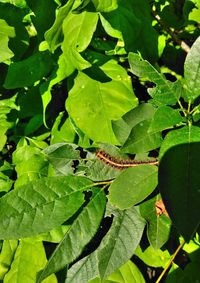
[
  {"x": 158, "y": 227},
  {"x": 140, "y": 140},
  {"x": 179, "y": 179},
  {"x": 28, "y": 71},
  {"x": 133, "y": 186},
  {"x": 62, "y": 156},
  {"x": 40, "y": 206},
  {"x": 6, "y": 31},
  {"x": 28, "y": 260},
  {"x": 165, "y": 117},
  {"x": 78, "y": 30},
  {"x": 7, "y": 253},
  {"x": 192, "y": 70},
  {"x": 80, "y": 233},
  {"x": 54, "y": 36},
  {"x": 115, "y": 249},
  {"x": 26, "y": 100},
  {"x": 105, "y": 5},
  {"x": 128, "y": 272},
  {"x": 164, "y": 91},
  {"x": 92, "y": 104},
  {"x": 153, "y": 257}
]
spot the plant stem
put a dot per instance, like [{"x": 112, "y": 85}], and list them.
[{"x": 170, "y": 262}]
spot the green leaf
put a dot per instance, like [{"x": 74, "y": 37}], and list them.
[
  {"x": 62, "y": 156},
  {"x": 28, "y": 71},
  {"x": 115, "y": 249},
  {"x": 164, "y": 91},
  {"x": 128, "y": 272},
  {"x": 30, "y": 163},
  {"x": 144, "y": 111},
  {"x": 100, "y": 103},
  {"x": 133, "y": 186},
  {"x": 28, "y": 260},
  {"x": 40, "y": 206},
  {"x": 62, "y": 132},
  {"x": 80, "y": 233},
  {"x": 132, "y": 22},
  {"x": 179, "y": 179},
  {"x": 192, "y": 70},
  {"x": 6, "y": 31},
  {"x": 43, "y": 18},
  {"x": 158, "y": 227},
  {"x": 153, "y": 257},
  {"x": 7, "y": 253},
  {"x": 140, "y": 140},
  {"x": 78, "y": 30},
  {"x": 54, "y": 36},
  {"x": 165, "y": 117},
  {"x": 14, "y": 17},
  {"x": 105, "y": 5}
]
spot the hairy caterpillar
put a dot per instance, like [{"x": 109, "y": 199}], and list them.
[{"x": 122, "y": 164}]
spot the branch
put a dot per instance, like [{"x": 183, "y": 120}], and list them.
[{"x": 170, "y": 31}]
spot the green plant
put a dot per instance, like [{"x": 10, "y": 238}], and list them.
[{"x": 78, "y": 76}]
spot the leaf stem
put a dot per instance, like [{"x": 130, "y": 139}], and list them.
[
  {"x": 170, "y": 262},
  {"x": 182, "y": 108}
]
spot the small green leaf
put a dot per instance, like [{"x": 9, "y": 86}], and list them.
[
  {"x": 153, "y": 257},
  {"x": 133, "y": 186},
  {"x": 5, "y": 32},
  {"x": 78, "y": 30},
  {"x": 28, "y": 71},
  {"x": 6, "y": 257},
  {"x": 128, "y": 272},
  {"x": 105, "y": 5},
  {"x": 158, "y": 227},
  {"x": 29, "y": 254},
  {"x": 165, "y": 117},
  {"x": 54, "y": 36},
  {"x": 140, "y": 140},
  {"x": 115, "y": 249},
  {"x": 192, "y": 70},
  {"x": 164, "y": 91},
  {"x": 30, "y": 162},
  {"x": 144, "y": 111},
  {"x": 179, "y": 179},
  {"x": 40, "y": 206},
  {"x": 61, "y": 156},
  {"x": 80, "y": 233}
]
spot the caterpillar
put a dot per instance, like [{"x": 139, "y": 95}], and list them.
[{"x": 122, "y": 164}]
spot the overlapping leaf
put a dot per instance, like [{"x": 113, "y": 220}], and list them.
[
  {"x": 115, "y": 249},
  {"x": 80, "y": 233},
  {"x": 40, "y": 206}
]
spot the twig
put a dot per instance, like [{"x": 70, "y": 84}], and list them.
[
  {"x": 170, "y": 262},
  {"x": 170, "y": 31}
]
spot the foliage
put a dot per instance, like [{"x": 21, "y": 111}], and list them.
[{"x": 82, "y": 75}]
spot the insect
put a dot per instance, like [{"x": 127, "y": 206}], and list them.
[{"x": 122, "y": 164}]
